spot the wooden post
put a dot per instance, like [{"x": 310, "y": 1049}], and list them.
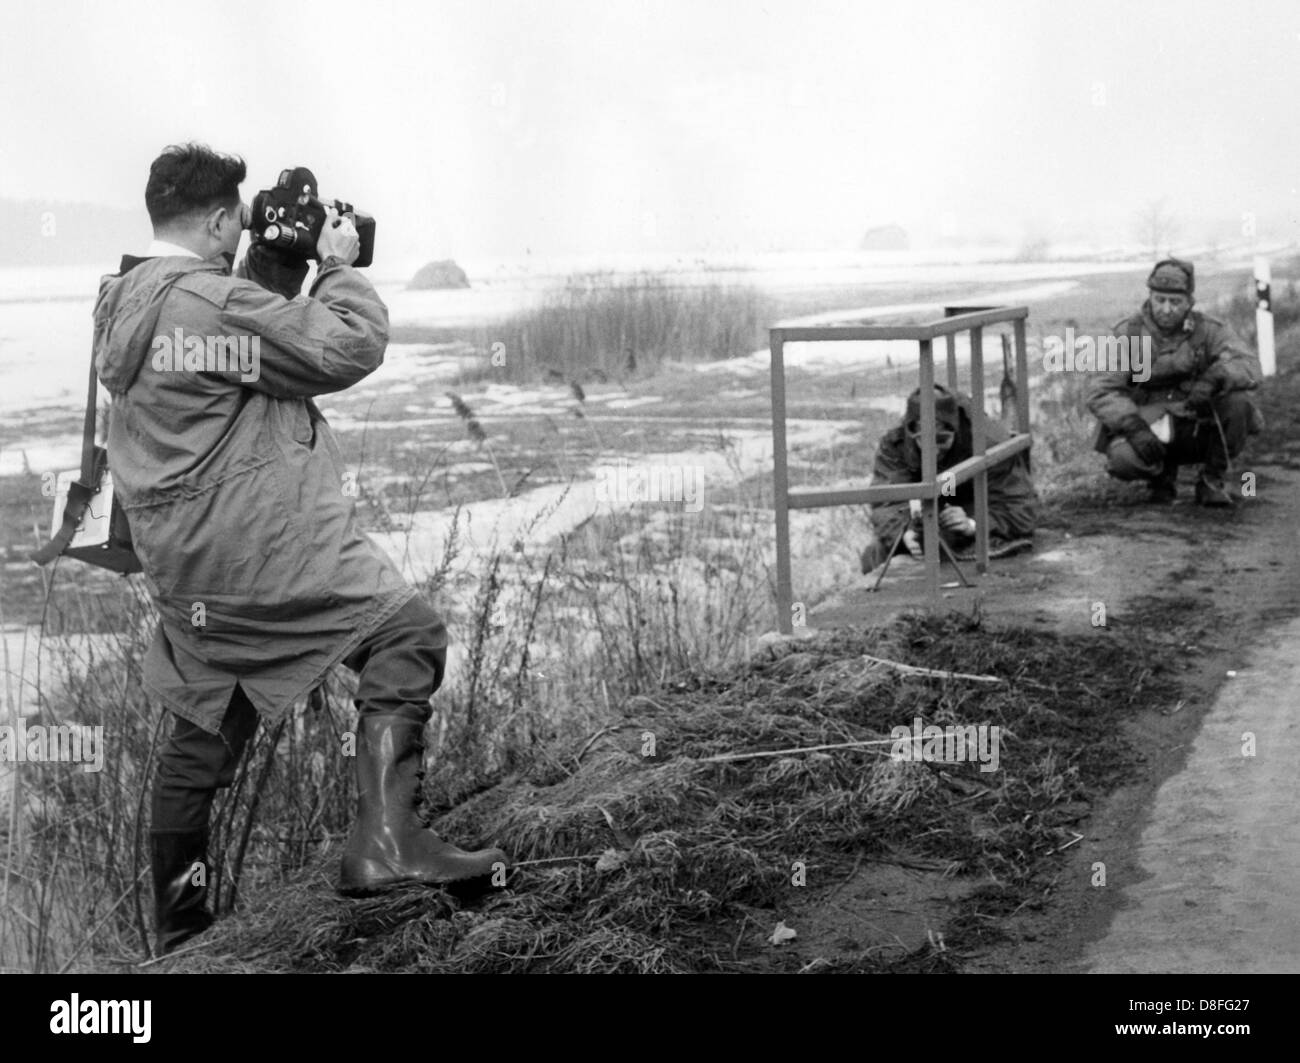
[
  {"x": 1264, "y": 316},
  {"x": 979, "y": 444},
  {"x": 781, "y": 486},
  {"x": 1007, "y": 388},
  {"x": 1022, "y": 378},
  {"x": 929, "y": 472}
]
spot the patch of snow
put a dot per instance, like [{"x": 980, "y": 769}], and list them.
[
  {"x": 631, "y": 404},
  {"x": 53, "y": 454},
  {"x": 1003, "y": 298},
  {"x": 547, "y": 512},
  {"x": 875, "y": 354}
]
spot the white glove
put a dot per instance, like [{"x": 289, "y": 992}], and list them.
[
  {"x": 338, "y": 238},
  {"x": 954, "y": 519},
  {"x": 912, "y": 542}
]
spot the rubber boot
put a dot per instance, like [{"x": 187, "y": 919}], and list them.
[
  {"x": 389, "y": 846},
  {"x": 180, "y": 882}
]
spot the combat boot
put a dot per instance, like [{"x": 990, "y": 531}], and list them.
[
  {"x": 1211, "y": 490},
  {"x": 389, "y": 845},
  {"x": 1164, "y": 488},
  {"x": 179, "y": 861}
]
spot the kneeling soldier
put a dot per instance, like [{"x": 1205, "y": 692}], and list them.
[
  {"x": 1200, "y": 376},
  {"x": 1013, "y": 502}
]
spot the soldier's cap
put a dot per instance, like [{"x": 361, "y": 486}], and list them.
[
  {"x": 1174, "y": 276},
  {"x": 945, "y": 409}
]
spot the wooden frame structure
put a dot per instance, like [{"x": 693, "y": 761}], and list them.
[{"x": 931, "y": 486}]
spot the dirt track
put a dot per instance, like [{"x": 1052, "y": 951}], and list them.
[
  {"x": 1201, "y": 853},
  {"x": 1214, "y": 884}
]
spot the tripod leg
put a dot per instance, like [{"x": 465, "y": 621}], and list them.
[
  {"x": 945, "y": 549},
  {"x": 890, "y": 559}
]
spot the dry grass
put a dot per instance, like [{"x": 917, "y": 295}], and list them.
[
  {"x": 670, "y": 852},
  {"x": 602, "y": 326},
  {"x": 549, "y": 638}
]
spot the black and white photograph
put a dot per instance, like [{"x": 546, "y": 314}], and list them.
[{"x": 599, "y": 487}]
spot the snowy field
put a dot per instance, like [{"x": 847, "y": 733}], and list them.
[
  {"x": 45, "y": 335},
  {"x": 44, "y": 353}
]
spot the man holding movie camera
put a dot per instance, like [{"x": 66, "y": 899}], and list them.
[{"x": 238, "y": 506}]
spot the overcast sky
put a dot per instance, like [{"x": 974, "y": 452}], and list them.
[{"x": 495, "y": 128}]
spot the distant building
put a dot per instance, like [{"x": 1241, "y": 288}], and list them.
[{"x": 886, "y": 238}]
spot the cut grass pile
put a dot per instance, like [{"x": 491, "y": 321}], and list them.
[{"x": 651, "y": 863}]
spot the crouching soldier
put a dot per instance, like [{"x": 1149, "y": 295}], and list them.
[
  {"x": 1185, "y": 399},
  {"x": 1013, "y": 502}
]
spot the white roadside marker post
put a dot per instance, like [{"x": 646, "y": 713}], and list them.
[{"x": 1264, "y": 316}]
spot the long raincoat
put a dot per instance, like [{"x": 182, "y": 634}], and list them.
[{"x": 233, "y": 484}]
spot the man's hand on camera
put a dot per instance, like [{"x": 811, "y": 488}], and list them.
[{"x": 338, "y": 239}]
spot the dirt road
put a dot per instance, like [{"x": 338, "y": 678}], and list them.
[
  {"x": 1195, "y": 865},
  {"x": 1214, "y": 882},
  {"x": 1222, "y": 844}
]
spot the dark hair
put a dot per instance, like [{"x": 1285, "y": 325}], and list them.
[{"x": 190, "y": 178}]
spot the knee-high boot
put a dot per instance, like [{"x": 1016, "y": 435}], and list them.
[{"x": 389, "y": 845}]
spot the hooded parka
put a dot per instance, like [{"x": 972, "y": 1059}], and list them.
[{"x": 234, "y": 487}]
